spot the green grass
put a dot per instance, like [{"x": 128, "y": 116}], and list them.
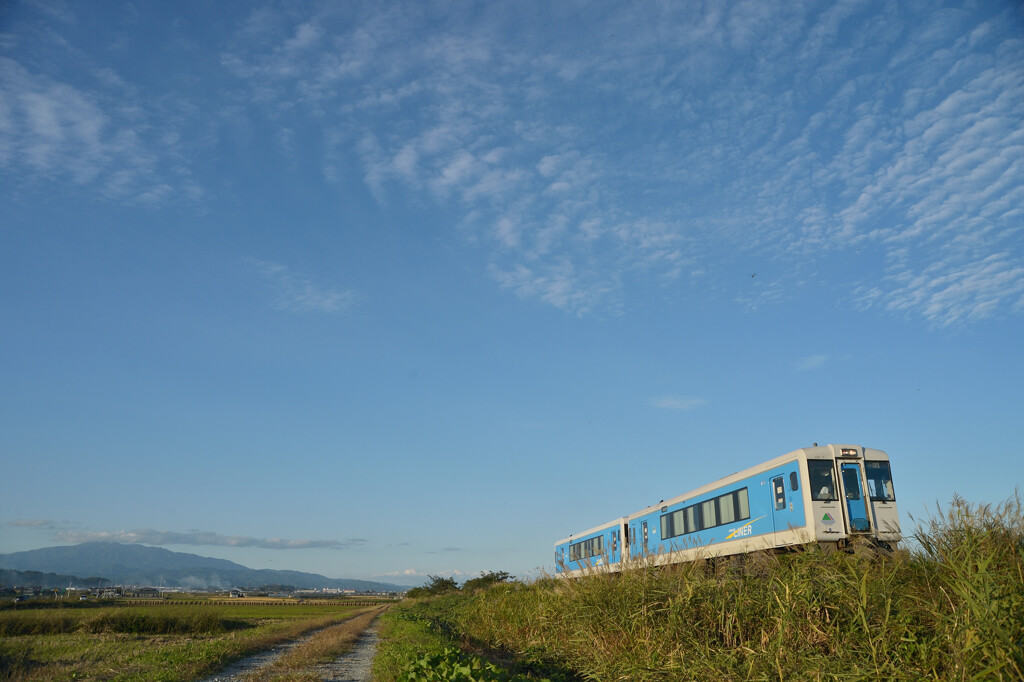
[
  {"x": 417, "y": 647},
  {"x": 147, "y": 642},
  {"x": 405, "y": 636},
  {"x": 951, "y": 608},
  {"x": 180, "y": 620}
]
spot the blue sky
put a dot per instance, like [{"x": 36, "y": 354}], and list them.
[{"x": 383, "y": 290}]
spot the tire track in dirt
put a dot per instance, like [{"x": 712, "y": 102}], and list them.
[
  {"x": 352, "y": 666},
  {"x": 355, "y": 665}
]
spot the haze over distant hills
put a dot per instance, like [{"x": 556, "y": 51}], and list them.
[{"x": 141, "y": 565}]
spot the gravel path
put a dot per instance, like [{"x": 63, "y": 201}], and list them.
[
  {"x": 353, "y": 666},
  {"x": 236, "y": 670}
]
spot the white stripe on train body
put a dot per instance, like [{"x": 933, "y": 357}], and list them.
[{"x": 831, "y": 494}]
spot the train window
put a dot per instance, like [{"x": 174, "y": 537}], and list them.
[
  {"x": 672, "y": 524},
  {"x": 794, "y": 483},
  {"x": 879, "y": 481},
  {"x": 822, "y": 480},
  {"x": 780, "y": 493},
  {"x": 709, "y": 517},
  {"x": 615, "y": 541},
  {"x": 645, "y": 534},
  {"x": 668, "y": 526},
  {"x": 726, "y": 509},
  {"x": 851, "y": 481},
  {"x": 743, "y": 503},
  {"x": 690, "y": 517},
  {"x": 586, "y": 548},
  {"x": 708, "y": 514}
]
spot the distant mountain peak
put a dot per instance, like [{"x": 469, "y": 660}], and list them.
[{"x": 145, "y": 565}]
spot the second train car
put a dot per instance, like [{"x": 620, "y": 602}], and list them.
[{"x": 830, "y": 494}]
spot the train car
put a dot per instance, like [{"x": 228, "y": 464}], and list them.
[
  {"x": 602, "y": 545},
  {"x": 831, "y": 494}
]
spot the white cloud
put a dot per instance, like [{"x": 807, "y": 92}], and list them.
[
  {"x": 420, "y": 573},
  {"x": 508, "y": 231},
  {"x": 149, "y": 536},
  {"x": 458, "y": 170},
  {"x": 306, "y": 35},
  {"x": 811, "y": 362},
  {"x": 296, "y": 293},
  {"x": 947, "y": 294},
  {"x": 32, "y": 523},
  {"x": 91, "y": 138},
  {"x": 558, "y": 285},
  {"x": 586, "y": 169},
  {"x": 406, "y": 162}
]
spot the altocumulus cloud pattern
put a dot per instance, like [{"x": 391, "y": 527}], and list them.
[{"x": 588, "y": 149}]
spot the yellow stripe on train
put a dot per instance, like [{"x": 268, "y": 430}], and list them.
[{"x": 745, "y": 529}]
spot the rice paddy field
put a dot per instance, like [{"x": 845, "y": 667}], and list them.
[{"x": 156, "y": 641}]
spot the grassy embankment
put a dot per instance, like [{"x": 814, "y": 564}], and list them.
[
  {"x": 149, "y": 642},
  {"x": 950, "y": 608}
]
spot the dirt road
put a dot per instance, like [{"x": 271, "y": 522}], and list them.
[
  {"x": 355, "y": 666},
  {"x": 352, "y": 666}
]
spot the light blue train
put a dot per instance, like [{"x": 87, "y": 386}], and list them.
[{"x": 830, "y": 494}]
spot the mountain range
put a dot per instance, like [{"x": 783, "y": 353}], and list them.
[{"x": 142, "y": 565}]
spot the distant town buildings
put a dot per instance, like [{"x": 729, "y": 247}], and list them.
[
  {"x": 25, "y": 592},
  {"x": 325, "y": 590}
]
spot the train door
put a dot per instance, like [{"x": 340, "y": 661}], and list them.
[
  {"x": 856, "y": 505},
  {"x": 786, "y": 504},
  {"x": 778, "y": 497}
]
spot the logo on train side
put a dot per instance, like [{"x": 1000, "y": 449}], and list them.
[{"x": 745, "y": 529}]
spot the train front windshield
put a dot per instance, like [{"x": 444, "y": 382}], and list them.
[
  {"x": 823, "y": 484},
  {"x": 879, "y": 481}
]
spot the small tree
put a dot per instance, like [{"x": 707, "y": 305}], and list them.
[
  {"x": 439, "y": 585},
  {"x": 487, "y": 579},
  {"x": 435, "y": 585}
]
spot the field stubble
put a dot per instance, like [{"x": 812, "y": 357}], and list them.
[{"x": 151, "y": 642}]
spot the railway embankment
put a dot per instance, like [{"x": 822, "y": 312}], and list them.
[{"x": 950, "y": 606}]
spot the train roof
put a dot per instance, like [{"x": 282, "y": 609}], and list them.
[
  {"x": 613, "y": 523},
  {"x": 814, "y": 452}
]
